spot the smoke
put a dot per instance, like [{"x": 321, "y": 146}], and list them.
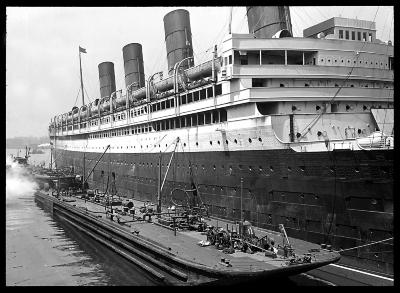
[{"x": 18, "y": 181}]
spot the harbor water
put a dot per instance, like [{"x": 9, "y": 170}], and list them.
[{"x": 44, "y": 251}]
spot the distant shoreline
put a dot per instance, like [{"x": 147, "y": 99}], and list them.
[{"x": 22, "y": 142}]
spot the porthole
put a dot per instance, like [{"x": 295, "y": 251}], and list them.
[
  {"x": 250, "y": 168},
  {"x": 260, "y": 139},
  {"x": 357, "y": 169},
  {"x": 197, "y": 144},
  {"x": 235, "y": 140},
  {"x": 347, "y": 107},
  {"x": 210, "y": 142},
  {"x": 298, "y": 134},
  {"x": 250, "y": 140},
  {"x": 317, "y": 107},
  {"x": 184, "y": 144},
  {"x": 302, "y": 168},
  {"x": 301, "y": 195},
  {"x": 332, "y": 169},
  {"x": 214, "y": 167},
  {"x": 365, "y": 108},
  {"x": 319, "y": 133},
  {"x": 271, "y": 168},
  {"x": 226, "y": 141},
  {"x": 260, "y": 168},
  {"x": 374, "y": 201},
  {"x": 359, "y": 131},
  {"x": 289, "y": 169},
  {"x": 294, "y": 107},
  {"x": 218, "y": 142},
  {"x": 240, "y": 167}
]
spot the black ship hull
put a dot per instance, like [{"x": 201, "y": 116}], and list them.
[{"x": 343, "y": 198}]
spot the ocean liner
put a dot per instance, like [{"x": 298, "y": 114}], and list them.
[{"x": 273, "y": 129}]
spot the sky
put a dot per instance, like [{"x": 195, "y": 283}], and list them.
[{"x": 42, "y": 59}]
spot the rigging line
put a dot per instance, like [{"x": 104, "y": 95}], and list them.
[
  {"x": 341, "y": 12},
  {"x": 297, "y": 21},
  {"x": 156, "y": 65},
  {"x": 312, "y": 123},
  {"x": 76, "y": 99},
  {"x": 241, "y": 22},
  {"x": 220, "y": 35},
  {"x": 320, "y": 12},
  {"x": 305, "y": 17},
  {"x": 369, "y": 244},
  {"x": 384, "y": 26},
  {"x": 87, "y": 94}
]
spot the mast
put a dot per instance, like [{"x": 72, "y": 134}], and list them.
[
  {"x": 230, "y": 20},
  {"x": 84, "y": 172},
  {"x": 51, "y": 155},
  {"x": 80, "y": 67},
  {"x": 159, "y": 186}
]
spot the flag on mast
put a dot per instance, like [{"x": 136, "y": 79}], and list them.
[{"x": 82, "y": 49}]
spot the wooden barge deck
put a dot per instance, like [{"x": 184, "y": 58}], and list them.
[{"x": 174, "y": 257}]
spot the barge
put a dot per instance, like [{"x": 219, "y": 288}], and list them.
[{"x": 175, "y": 255}]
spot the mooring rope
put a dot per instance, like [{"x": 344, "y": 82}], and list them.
[{"x": 369, "y": 244}]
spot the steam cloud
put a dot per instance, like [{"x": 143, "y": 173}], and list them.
[{"x": 18, "y": 182}]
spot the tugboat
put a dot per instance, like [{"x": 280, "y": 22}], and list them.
[{"x": 22, "y": 160}]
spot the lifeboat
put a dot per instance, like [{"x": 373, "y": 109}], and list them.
[{"x": 376, "y": 140}]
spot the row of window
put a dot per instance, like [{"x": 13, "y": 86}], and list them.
[
  {"x": 290, "y": 57},
  {"x": 231, "y": 168},
  {"x": 203, "y": 118},
  {"x": 165, "y": 104},
  {"x": 268, "y": 82},
  {"x": 347, "y": 33},
  {"x": 202, "y": 94}
]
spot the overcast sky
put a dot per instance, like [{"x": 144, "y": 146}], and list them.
[{"x": 42, "y": 61}]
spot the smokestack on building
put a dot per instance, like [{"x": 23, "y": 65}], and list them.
[
  {"x": 107, "y": 79},
  {"x": 266, "y": 21},
  {"x": 133, "y": 66},
  {"x": 178, "y": 38}
]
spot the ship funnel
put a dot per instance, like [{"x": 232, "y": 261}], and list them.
[
  {"x": 178, "y": 38},
  {"x": 107, "y": 79},
  {"x": 133, "y": 66},
  {"x": 266, "y": 21}
]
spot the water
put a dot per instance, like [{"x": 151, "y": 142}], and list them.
[{"x": 41, "y": 250}]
